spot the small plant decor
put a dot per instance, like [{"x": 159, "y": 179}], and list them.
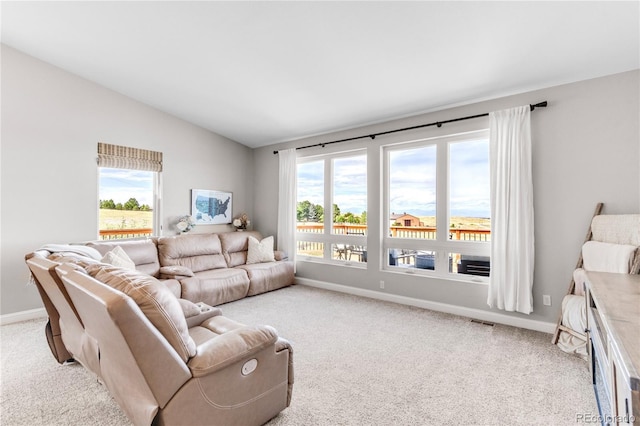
[
  {"x": 186, "y": 223},
  {"x": 241, "y": 222}
]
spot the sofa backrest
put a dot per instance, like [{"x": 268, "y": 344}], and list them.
[
  {"x": 198, "y": 252},
  {"x": 58, "y": 306},
  {"x": 235, "y": 246},
  {"x": 139, "y": 367},
  {"x": 143, "y": 253},
  {"x": 155, "y": 300}
]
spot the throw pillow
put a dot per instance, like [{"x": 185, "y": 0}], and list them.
[
  {"x": 260, "y": 251},
  {"x": 118, "y": 257}
]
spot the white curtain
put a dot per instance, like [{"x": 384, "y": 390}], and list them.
[
  {"x": 287, "y": 202},
  {"x": 512, "y": 245}
]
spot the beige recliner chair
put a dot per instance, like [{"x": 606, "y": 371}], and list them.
[
  {"x": 163, "y": 369},
  {"x": 64, "y": 330}
]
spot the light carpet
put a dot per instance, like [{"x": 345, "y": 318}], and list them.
[{"x": 358, "y": 361}]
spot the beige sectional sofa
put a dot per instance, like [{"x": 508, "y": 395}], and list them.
[
  {"x": 148, "y": 331},
  {"x": 209, "y": 268}
]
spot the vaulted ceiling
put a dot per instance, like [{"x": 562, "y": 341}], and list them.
[{"x": 265, "y": 72}]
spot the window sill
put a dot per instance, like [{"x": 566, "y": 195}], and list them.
[
  {"x": 432, "y": 274},
  {"x": 346, "y": 263}
]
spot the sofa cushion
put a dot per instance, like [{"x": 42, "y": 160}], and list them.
[
  {"x": 268, "y": 276},
  {"x": 260, "y": 251},
  {"x": 235, "y": 246},
  {"x": 144, "y": 253},
  {"x": 198, "y": 252},
  {"x": 155, "y": 300},
  {"x": 216, "y": 286}
]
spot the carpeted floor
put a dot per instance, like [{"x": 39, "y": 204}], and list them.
[{"x": 357, "y": 361}]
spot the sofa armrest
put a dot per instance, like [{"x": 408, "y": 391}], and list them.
[
  {"x": 174, "y": 286},
  {"x": 284, "y": 345},
  {"x": 235, "y": 345},
  {"x": 197, "y": 313},
  {"x": 175, "y": 272},
  {"x": 280, "y": 255}
]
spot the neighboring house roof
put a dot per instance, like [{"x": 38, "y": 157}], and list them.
[{"x": 398, "y": 216}]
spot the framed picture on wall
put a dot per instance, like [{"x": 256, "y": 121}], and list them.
[{"x": 210, "y": 207}]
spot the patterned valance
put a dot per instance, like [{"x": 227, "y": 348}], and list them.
[{"x": 124, "y": 157}]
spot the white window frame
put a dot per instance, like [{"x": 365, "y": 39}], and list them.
[
  {"x": 328, "y": 238},
  {"x": 442, "y": 245},
  {"x": 130, "y": 158}
]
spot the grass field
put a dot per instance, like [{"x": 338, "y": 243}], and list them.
[
  {"x": 125, "y": 219},
  {"x": 460, "y": 222}
]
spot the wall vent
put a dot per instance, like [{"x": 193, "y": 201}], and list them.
[{"x": 483, "y": 322}]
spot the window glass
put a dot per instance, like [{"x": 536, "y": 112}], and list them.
[
  {"x": 310, "y": 248},
  {"x": 469, "y": 264},
  {"x": 349, "y": 252},
  {"x": 412, "y": 192},
  {"x": 469, "y": 202},
  {"x": 350, "y": 195},
  {"x": 127, "y": 199},
  {"x": 441, "y": 181},
  {"x": 332, "y": 208},
  {"x": 310, "y": 203}
]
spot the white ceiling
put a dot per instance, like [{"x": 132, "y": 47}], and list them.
[{"x": 266, "y": 72}]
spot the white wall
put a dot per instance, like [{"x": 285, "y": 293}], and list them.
[
  {"x": 585, "y": 150},
  {"x": 51, "y": 124}
]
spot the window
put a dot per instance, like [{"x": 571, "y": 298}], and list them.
[
  {"x": 331, "y": 208},
  {"x": 437, "y": 202},
  {"x": 129, "y": 182}
]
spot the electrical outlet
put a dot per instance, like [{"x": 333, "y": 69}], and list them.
[
  {"x": 381, "y": 284},
  {"x": 546, "y": 299}
]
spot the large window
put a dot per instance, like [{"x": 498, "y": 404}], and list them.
[
  {"x": 437, "y": 204},
  {"x": 331, "y": 208},
  {"x": 129, "y": 188}
]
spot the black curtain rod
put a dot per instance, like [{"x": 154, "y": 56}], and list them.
[{"x": 436, "y": 123}]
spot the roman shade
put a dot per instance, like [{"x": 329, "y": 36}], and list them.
[{"x": 124, "y": 157}]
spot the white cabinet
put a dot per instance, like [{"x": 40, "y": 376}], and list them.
[
  {"x": 613, "y": 328},
  {"x": 624, "y": 400}
]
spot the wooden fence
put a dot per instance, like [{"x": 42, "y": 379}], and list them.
[
  {"x": 421, "y": 232},
  {"x": 310, "y": 248},
  {"x": 117, "y": 234}
]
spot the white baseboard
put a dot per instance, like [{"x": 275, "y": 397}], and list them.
[
  {"x": 23, "y": 316},
  {"x": 495, "y": 317}
]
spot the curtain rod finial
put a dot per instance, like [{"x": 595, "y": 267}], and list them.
[{"x": 538, "y": 105}]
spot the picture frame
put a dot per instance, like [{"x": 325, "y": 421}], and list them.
[{"x": 211, "y": 207}]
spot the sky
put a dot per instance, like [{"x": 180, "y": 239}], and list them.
[
  {"x": 412, "y": 181},
  {"x": 350, "y": 183},
  {"x": 122, "y": 184}
]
